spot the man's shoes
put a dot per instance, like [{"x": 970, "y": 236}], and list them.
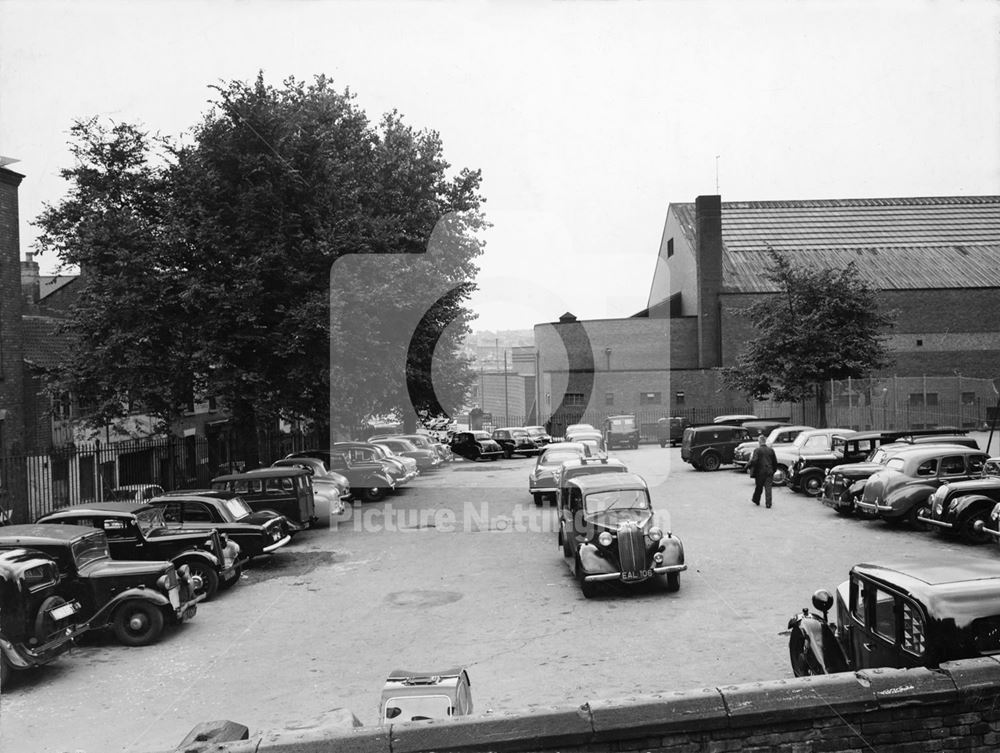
[
  {"x": 755, "y": 502},
  {"x": 768, "y": 507}
]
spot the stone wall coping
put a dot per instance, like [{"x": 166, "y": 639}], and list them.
[{"x": 647, "y": 716}]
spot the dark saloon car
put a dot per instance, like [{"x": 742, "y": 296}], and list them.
[
  {"x": 368, "y": 479},
  {"x": 287, "y": 491},
  {"x": 538, "y": 435},
  {"x": 609, "y": 535},
  {"x": 37, "y": 624},
  {"x": 475, "y": 445},
  {"x": 912, "y": 614},
  {"x": 515, "y": 441},
  {"x": 139, "y": 532},
  {"x": 135, "y": 598},
  {"x": 670, "y": 430},
  {"x": 899, "y": 491},
  {"x": 621, "y": 431},
  {"x": 427, "y": 459},
  {"x": 257, "y": 533},
  {"x": 543, "y": 481},
  {"x": 966, "y": 507},
  {"x": 707, "y": 448}
]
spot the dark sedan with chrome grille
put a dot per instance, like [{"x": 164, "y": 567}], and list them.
[{"x": 614, "y": 537}]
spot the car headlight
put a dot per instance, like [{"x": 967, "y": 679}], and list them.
[
  {"x": 605, "y": 539},
  {"x": 655, "y": 534}
]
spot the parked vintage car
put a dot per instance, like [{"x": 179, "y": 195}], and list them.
[
  {"x": 810, "y": 470},
  {"x": 543, "y": 481},
  {"x": 515, "y": 441},
  {"x": 912, "y": 614},
  {"x": 426, "y": 459},
  {"x": 844, "y": 484},
  {"x": 331, "y": 490},
  {"x": 409, "y": 696},
  {"x": 670, "y": 430},
  {"x": 368, "y": 478},
  {"x": 538, "y": 435},
  {"x": 776, "y": 438},
  {"x": 899, "y": 491},
  {"x": 582, "y": 431},
  {"x": 707, "y": 448},
  {"x": 37, "y": 624},
  {"x": 475, "y": 445},
  {"x": 966, "y": 507},
  {"x": 807, "y": 442},
  {"x": 621, "y": 431},
  {"x": 287, "y": 491},
  {"x": 140, "y": 533},
  {"x": 585, "y": 466},
  {"x": 424, "y": 442},
  {"x": 401, "y": 470},
  {"x": 134, "y": 598},
  {"x": 257, "y": 533},
  {"x": 608, "y": 520}
]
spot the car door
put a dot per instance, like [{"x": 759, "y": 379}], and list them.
[
  {"x": 125, "y": 542},
  {"x": 887, "y": 627}
]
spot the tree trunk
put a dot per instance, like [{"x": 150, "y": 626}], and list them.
[{"x": 821, "y": 404}]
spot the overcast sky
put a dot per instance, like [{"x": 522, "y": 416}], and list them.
[{"x": 586, "y": 118}]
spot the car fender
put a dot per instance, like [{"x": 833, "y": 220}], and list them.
[
  {"x": 196, "y": 554},
  {"x": 593, "y": 562},
  {"x": 857, "y": 488},
  {"x": 969, "y": 504},
  {"x": 103, "y": 615},
  {"x": 814, "y": 642},
  {"x": 905, "y": 499},
  {"x": 672, "y": 550}
]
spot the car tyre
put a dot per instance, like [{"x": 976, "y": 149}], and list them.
[
  {"x": 673, "y": 582},
  {"x": 710, "y": 461},
  {"x": 588, "y": 590},
  {"x": 6, "y": 672},
  {"x": 967, "y": 528},
  {"x": 137, "y": 623},
  {"x": 208, "y": 576},
  {"x": 803, "y": 662},
  {"x": 539, "y": 498},
  {"x": 373, "y": 494},
  {"x": 664, "y": 444},
  {"x": 44, "y": 625},
  {"x": 812, "y": 485},
  {"x": 226, "y": 583},
  {"x": 507, "y": 452}
]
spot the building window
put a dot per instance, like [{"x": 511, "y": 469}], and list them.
[
  {"x": 968, "y": 398},
  {"x": 573, "y": 398},
  {"x": 916, "y": 398},
  {"x": 920, "y": 343},
  {"x": 931, "y": 398},
  {"x": 679, "y": 398},
  {"x": 609, "y": 398},
  {"x": 649, "y": 398},
  {"x": 670, "y": 247}
]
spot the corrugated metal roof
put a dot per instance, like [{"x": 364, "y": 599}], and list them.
[{"x": 904, "y": 243}]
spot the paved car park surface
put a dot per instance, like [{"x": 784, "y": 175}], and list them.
[{"x": 461, "y": 568}]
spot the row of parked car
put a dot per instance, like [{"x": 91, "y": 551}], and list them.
[
  {"x": 607, "y": 531},
  {"x": 148, "y": 558}
]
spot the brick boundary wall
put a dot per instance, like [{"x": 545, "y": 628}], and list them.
[{"x": 885, "y": 710}]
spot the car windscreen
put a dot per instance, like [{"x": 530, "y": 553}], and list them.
[
  {"x": 238, "y": 508},
  {"x": 622, "y": 423},
  {"x": 616, "y": 499},
  {"x": 986, "y": 635},
  {"x": 150, "y": 520},
  {"x": 896, "y": 464},
  {"x": 479, "y": 436},
  {"x": 90, "y": 549},
  {"x": 555, "y": 458}
]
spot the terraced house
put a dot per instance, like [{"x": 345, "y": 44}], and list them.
[{"x": 935, "y": 261}]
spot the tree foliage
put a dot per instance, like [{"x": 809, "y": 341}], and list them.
[
  {"x": 822, "y": 324},
  {"x": 208, "y": 266}
]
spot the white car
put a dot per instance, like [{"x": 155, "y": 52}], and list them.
[
  {"x": 814, "y": 440},
  {"x": 783, "y": 435}
]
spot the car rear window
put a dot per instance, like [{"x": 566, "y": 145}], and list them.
[{"x": 986, "y": 634}]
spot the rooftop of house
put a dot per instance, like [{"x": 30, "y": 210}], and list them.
[{"x": 896, "y": 243}]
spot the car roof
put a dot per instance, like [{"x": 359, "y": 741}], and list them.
[
  {"x": 959, "y": 588},
  {"x": 196, "y": 494},
  {"x": 557, "y": 446},
  {"x": 590, "y": 462},
  {"x": 933, "y": 450},
  {"x": 129, "y": 508},
  {"x": 37, "y": 534},
  {"x": 263, "y": 473},
  {"x": 596, "y": 482}
]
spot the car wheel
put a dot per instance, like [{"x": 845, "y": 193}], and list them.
[
  {"x": 6, "y": 672},
  {"x": 507, "y": 452},
  {"x": 44, "y": 624},
  {"x": 710, "y": 461},
  {"x": 539, "y": 498},
  {"x": 967, "y": 528},
  {"x": 673, "y": 582},
  {"x": 494, "y": 457},
  {"x": 588, "y": 589},
  {"x": 780, "y": 477},
  {"x": 138, "y": 623},
  {"x": 567, "y": 546},
  {"x": 812, "y": 485},
  {"x": 802, "y": 659},
  {"x": 845, "y": 510},
  {"x": 913, "y": 518},
  {"x": 664, "y": 444},
  {"x": 226, "y": 583},
  {"x": 205, "y": 574}
]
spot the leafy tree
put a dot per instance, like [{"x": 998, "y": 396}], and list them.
[
  {"x": 235, "y": 244},
  {"x": 822, "y": 324}
]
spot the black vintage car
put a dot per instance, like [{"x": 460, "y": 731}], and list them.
[
  {"x": 475, "y": 445},
  {"x": 671, "y": 430},
  {"x": 515, "y": 441},
  {"x": 707, "y": 448},
  {"x": 139, "y": 532},
  {"x": 608, "y": 533},
  {"x": 914, "y": 614},
  {"x": 965, "y": 507},
  {"x": 368, "y": 479},
  {"x": 257, "y": 533},
  {"x": 621, "y": 431},
  {"x": 287, "y": 491},
  {"x": 132, "y": 598},
  {"x": 37, "y": 624}
]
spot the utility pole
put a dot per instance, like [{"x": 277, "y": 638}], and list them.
[{"x": 506, "y": 405}]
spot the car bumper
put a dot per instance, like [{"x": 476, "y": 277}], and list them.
[
  {"x": 874, "y": 509},
  {"x": 837, "y": 503},
  {"x": 276, "y": 545},
  {"x": 660, "y": 570}
]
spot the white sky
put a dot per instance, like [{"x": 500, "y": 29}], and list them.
[{"x": 587, "y": 118}]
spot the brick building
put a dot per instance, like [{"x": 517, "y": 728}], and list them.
[{"x": 935, "y": 261}]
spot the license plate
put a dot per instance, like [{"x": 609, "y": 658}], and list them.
[
  {"x": 63, "y": 611},
  {"x": 635, "y": 575}
]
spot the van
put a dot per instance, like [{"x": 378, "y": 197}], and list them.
[{"x": 707, "y": 448}]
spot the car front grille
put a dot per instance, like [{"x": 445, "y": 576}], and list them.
[{"x": 631, "y": 547}]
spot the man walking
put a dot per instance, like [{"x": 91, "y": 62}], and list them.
[{"x": 762, "y": 465}]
